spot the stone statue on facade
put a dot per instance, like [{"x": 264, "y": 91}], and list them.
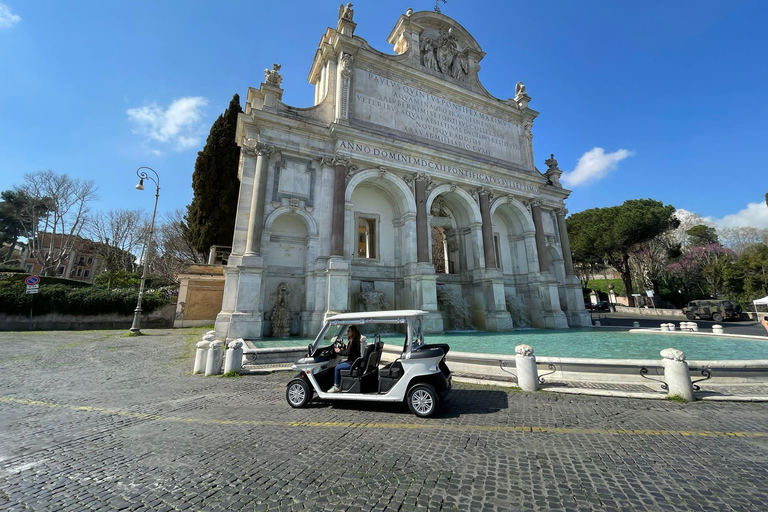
[
  {"x": 552, "y": 173},
  {"x": 346, "y": 64},
  {"x": 281, "y": 314},
  {"x": 272, "y": 76},
  {"x": 438, "y": 208},
  {"x": 346, "y": 12},
  {"x": 428, "y": 54},
  {"x": 369, "y": 299},
  {"x": 520, "y": 89}
]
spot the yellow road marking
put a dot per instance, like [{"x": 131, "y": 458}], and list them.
[{"x": 431, "y": 425}]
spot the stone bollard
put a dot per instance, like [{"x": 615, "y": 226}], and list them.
[
  {"x": 676, "y": 374},
  {"x": 597, "y": 323},
  {"x": 672, "y": 326},
  {"x": 664, "y": 327},
  {"x": 527, "y": 373},
  {"x": 717, "y": 329},
  {"x": 694, "y": 326},
  {"x": 635, "y": 324},
  {"x": 201, "y": 355},
  {"x": 233, "y": 362},
  {"x": 213, "y": 364}
]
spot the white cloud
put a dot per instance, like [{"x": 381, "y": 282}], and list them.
[
  {"x": 178, "y": 125},
  {"x": 594, "y": 165},
  {"x": 7, "y": 18},
  {"x": 755, "y": 215}
]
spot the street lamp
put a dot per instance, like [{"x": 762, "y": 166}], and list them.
[{"x": 136, "y": 327}]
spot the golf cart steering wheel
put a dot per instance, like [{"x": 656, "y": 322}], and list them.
[{"x": 337, "y": 344}]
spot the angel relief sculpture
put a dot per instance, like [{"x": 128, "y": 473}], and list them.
[{"x": 443, "y": 55}]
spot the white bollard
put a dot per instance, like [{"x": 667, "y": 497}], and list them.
[
  {"x": 201, "y": 355},
  {"x": 694, "y": 326},
  {"x": 527, "y": 373},
  {"x": 676, "y": 374},
  {"x": 597, "y": 323},
  {"x": 664, "y": 327},
  {"x": 233, "y": 362},
  {"x": 213, "y": 364},
  {"x": 635, "y": 324},
  {"x": 717, "y": 329},
  {"x": 672, "y": 326}
]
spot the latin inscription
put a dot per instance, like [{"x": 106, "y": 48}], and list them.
[
  {"x": 447, "y": 169},
  {"x": 389, "y": 103}
]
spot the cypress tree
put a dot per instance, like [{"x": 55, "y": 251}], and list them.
[{"x": 211, "y": 215}]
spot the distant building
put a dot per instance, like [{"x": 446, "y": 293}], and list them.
[{"x": 83, "y": 263}]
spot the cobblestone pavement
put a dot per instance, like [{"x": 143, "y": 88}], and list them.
[{"x": 99, "y": 421}]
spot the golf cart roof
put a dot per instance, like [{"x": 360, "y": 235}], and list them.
[{"x": 376, "y": 315}]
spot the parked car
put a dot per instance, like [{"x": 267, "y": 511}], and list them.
[
  {"x": 717, "y": 310},
  {"x": 419, "y": 376},
  {"x": 600, "y": 306}
]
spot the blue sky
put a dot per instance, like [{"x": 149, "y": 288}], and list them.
[{"x": 673, "y": 93}]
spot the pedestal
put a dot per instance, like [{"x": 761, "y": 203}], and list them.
[
  {"x": 549, "y": 316},
  {"x": 420, "y": 292},
  {"x": 337, "y": 286},
  {"x": 246, "y": 321},
  {"x": 578, "y": 316},
  {"x": 491, "y": 313}
]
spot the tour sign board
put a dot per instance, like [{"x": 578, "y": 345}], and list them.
[{"x": 33, "y": 284}]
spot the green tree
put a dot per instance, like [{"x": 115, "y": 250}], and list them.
[
  {"x": 16, "y": 211},
  {"x": 702, "y": 235},
  {"x": 216, "y": 186},
  {"x": 747, "y": 278},
  {"x": 616, "y": 231}
]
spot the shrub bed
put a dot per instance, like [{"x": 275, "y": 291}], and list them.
[{"x": 58, "y": 298}]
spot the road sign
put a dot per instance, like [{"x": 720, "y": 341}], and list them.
[
  {"x": 33, "y": 289},
  {"x": 32, "y": 280}
]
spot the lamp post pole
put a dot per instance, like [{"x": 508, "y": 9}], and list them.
[{"x": 136, "y": 327}]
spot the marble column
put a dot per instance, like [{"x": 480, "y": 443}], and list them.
[
  {"x": 422, "y": 228},
  {"x": 341, "y": 164},
  {"x": 485, "y": 215},
  {"x": 258, "y": 199},
  {"x": 541, "y": 247},
  {"x": 577, "y": 314},
  {"x": 565, "y": 245}
]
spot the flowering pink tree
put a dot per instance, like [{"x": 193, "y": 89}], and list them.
[{"x": 703, "y": 267}]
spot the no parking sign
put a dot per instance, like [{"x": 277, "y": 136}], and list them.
[{"x": 33, "y": 284}]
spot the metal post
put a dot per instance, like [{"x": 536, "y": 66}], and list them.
[{"x": 136, "y": 326}]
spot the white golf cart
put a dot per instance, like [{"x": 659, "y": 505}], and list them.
[{"x": 419, "y": 376}]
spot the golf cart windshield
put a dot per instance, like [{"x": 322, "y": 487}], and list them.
[{"x": 418, "y": 334}]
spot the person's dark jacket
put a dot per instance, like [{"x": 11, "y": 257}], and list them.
[{"x": 352, "y": 351}]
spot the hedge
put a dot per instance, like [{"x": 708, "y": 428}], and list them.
[
  {"x": 601, "y": 285},
  {"x": 58, "y": 298},
  {"x": 7, "y": 277}
]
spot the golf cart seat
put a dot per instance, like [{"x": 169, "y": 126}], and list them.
[{"x": 363, "y": 376}]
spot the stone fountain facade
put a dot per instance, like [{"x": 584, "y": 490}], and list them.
[{"x": 405, "y": 173}]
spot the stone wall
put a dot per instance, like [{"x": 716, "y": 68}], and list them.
[
  {"x": 650, "y": 311},
  {"x": 201, "y": 288}
]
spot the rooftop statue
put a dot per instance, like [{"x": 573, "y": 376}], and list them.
[{"x": 346, "y": 12}]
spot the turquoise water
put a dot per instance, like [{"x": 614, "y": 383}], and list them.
[{"x": 587, "y": 343}]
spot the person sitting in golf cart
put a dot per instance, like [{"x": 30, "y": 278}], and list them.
[{"x": 352, "y": 351}]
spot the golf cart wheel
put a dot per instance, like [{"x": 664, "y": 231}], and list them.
[
  {"x": 717, "y": 317},
  {"x": 690, "y": 316},
  {"x": 298, "y": 393},
  {"x": 423, "y": 400}
]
